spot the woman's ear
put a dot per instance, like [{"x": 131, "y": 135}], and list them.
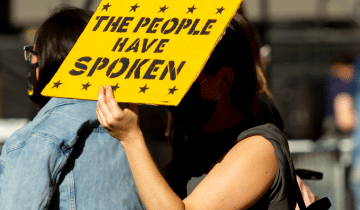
[{"x": 227, "y": 78}]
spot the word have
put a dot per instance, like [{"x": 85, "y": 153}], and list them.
[
  {"x": 173, "y": 25},
  {"x": 102, "y": 62},
  {"x": 134, "y": 46}
]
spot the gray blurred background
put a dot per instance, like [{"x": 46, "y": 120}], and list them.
[{"x": 300, "y": 38}]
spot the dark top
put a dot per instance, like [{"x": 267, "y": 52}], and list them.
[
  {"x": 282, "y": 193},
  {"x": 203, "y": 151}
]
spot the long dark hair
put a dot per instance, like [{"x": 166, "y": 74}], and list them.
[
  {"x": 55, "y": 38},
  {"x": 234, "y": 51},
  {"x": 253, "y": 40}
]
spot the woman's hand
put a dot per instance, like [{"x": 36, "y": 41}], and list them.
[
  {"x": 121, "y": 124},
  {"x": 124, "y": 125},
  {"x": 306, "y": 193}
]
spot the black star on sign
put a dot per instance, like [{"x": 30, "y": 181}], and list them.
[
  {"x": 191, "y": 9},
  {"x": 115, "y": 87},
  {"x": 86, "y": 86},
  {"x": 134, "y": 7},
  {"x": 143, "y": 89},
  {"x": 220, "y": 10},
  {"x": 172, "y": 91},
  {"x": 162, "y": 9},
  {"x": 106, "y": 7},
  {"x": 56, "y": 84}
]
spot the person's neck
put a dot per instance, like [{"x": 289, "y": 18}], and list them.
[{"x": 224, "y": 116}]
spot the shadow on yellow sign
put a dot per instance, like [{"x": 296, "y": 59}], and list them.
[{"x": 150, "y": 52}]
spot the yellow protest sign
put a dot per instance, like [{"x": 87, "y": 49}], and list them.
[{"x": 149, "y": 51}]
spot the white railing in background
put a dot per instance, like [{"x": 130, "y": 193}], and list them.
[{"x": 337, "y": 170}]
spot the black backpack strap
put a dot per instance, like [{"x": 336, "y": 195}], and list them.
[{"x": 300, "y": 199}]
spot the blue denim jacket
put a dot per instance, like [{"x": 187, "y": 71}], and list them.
[{"x": 64, "y": 159}]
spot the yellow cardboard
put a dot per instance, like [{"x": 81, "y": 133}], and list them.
[{"x": 149, "y": 51}]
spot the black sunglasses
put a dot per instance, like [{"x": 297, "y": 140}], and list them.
[{"x": 29, "y": 52}]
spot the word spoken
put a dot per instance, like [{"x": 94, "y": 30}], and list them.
[{"x": 123, "y": 65}]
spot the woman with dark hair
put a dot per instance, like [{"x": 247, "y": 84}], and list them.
[
  {"x": 214, "y": 132},
  {"x": 63, "y": 159},
  {"x": 53, "y": 41}
]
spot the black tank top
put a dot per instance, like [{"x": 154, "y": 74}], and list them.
[{"x": 282, "y": 193}]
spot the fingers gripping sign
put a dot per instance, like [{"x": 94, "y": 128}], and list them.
[{"x": 121, "y": 124}]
